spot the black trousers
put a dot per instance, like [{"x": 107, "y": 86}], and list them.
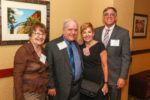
[{"x": 75, "y": 91}]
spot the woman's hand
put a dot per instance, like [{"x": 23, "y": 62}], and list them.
[
  {"x": 52, "y": 92},
  {"x": 105, "y": 89},
  {"x": 80, "y": 42}
]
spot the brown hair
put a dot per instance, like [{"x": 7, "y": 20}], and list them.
[
  {"x": 85, "y": 26},
  {"x": 35, "y": 26}
]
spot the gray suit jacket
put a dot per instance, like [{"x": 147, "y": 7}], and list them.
[
  {"x": 118, "y": 56},
  {"x": 59, "y": 71}
]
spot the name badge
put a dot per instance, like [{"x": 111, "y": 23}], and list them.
[
  {"x": 115, "y": 43},
  {"x": 62, "y": 45},
  {"x": 43, "y": 58}
]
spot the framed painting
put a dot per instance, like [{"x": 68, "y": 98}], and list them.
[
  {"x": 17, "y": 16},
  {"x": 140, "y": 26}
]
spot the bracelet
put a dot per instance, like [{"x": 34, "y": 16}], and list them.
[{"x": 105, "y": 82}]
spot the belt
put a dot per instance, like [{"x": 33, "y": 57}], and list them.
[{"x": 75, "y": 82}]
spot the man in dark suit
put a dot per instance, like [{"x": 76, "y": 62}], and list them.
[
  {"x": 65, "y": 64},
  {"x": 117, "y": 43}
]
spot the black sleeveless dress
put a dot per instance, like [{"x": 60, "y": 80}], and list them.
[{"x": 93, "y": 68}]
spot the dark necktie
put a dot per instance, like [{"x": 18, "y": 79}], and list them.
[
  {"x": 106, "y": 37},
  {"x": 72, "y": 63}
]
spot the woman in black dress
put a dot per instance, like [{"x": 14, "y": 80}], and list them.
[{"x": 95, "y": 62}]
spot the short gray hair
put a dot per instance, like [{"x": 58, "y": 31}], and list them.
[
  {"x": 114, "y": 9},
  {"x": 67, "y": 20}
]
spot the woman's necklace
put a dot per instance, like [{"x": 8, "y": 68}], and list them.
[
  {"x": 86, "y": 50},
  {"x": 88, "y": 45}
]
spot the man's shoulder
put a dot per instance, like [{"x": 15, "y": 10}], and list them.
[
  {"x": 121, "y": 28},
  {"x": 122, "y": 31},
  {"x": 55, "y": 41},
  {"x": 98, "y": 28}
]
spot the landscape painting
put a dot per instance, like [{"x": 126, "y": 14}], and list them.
[
  {"x": 20, "y": 20},
  {"x": 17, "y": 17}
]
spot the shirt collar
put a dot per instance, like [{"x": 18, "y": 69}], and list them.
[
  {"x": 67, "y": 41},
  {"x": 111, "y": 28}
]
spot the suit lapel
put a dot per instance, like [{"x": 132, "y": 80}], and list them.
[
  {"x": 65, "y": 55},
  {"x": 100, "y": 35}
]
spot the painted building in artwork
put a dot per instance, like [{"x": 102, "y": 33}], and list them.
[{"x": 24, "y": 28}]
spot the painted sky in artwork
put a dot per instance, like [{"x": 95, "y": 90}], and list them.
[{"x": 20, "y": 15}]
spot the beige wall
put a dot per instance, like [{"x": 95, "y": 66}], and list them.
[
  {"x": 82, "y": 11},
  {"x": 141, "y": 62},
  {"x": 142, "y": 7},
  {"x": 125, "y": 14},
  {"x": 6, "y": 88},
  {"x": 6, "y": 61}
]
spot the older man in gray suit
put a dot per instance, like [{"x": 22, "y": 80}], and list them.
[
  {"x": 117, "y": 43},
  {"x": 65, "y": 64}
]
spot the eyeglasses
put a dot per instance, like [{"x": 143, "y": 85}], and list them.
[
  {"x": 110, "y": 14},
  {"x": 38, "y": 33}
]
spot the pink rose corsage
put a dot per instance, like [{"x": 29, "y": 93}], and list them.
[{"x": 86, "y": 51}]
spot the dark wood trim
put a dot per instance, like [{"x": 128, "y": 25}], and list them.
[
  {"x": 136, "y": 52},
  {"x": 6, "y": 72}
]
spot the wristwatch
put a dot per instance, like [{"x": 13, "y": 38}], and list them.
[{"x": 105, "y": 82}]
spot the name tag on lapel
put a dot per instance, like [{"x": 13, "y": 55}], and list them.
[
  {"x": 62, "y": 45},
  {"x": 115, "y": 42},
  {"x": 43, "y": 58}
]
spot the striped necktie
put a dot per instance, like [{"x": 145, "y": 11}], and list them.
[
  {"x": 72, "y": 63},
  {"x": 106, "y": 37}
]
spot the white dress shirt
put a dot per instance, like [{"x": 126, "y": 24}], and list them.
[{"x": 110, "y": 31}]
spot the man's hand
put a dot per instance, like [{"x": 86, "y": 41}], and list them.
[
  {"x": 52, "y": 92},
  {"x": 120, "y": 83}
]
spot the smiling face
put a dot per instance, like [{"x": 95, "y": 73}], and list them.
[
  {"x": 70, "y": 31},
  {"x": 109, "y": 17},
  {"x": 87, "y": 34},
  {"x": 38, "y": 37}
]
